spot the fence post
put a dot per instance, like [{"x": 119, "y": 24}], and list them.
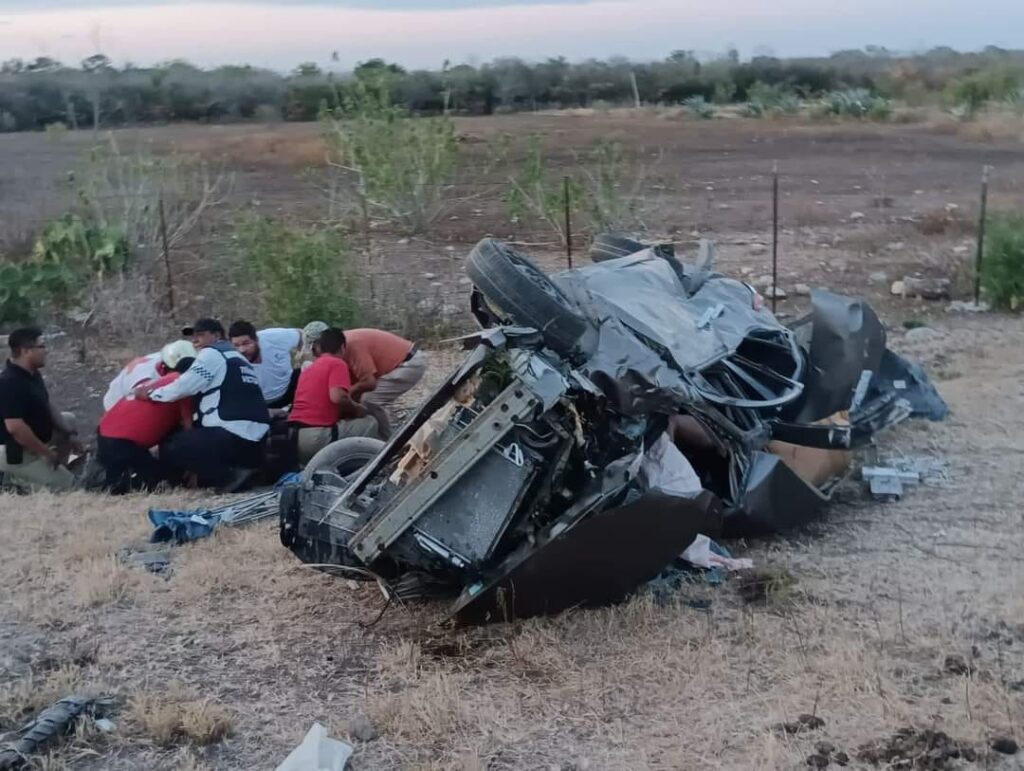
[
  {"x": 982, "y": 217},
  {"x": 167, "y": 257},
  {"x": 568, "y": 220},
  {"x": 775, "y": 234}
]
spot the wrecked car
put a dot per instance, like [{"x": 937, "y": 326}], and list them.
[{"x": 603, "y": 417}]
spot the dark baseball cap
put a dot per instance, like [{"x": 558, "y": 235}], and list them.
[{"x": 203, "y": 325}]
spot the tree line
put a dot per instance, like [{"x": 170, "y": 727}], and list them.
[{"x": 95, "y": 93}]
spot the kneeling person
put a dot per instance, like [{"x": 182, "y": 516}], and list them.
[
  {"x": 323, "y": 411},
  {"x": 133, "y": 426}
]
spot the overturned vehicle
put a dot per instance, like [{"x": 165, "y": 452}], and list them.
[{"x": 603, "y": 418}]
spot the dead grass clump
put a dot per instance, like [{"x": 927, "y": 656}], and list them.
[
  {"x": 21, "y": 699},
  {"x": 436, "y": 705},
  {"x": 947, "y": 220},
  {"x": 103, "y": 581},
  {"x": 176, "y": 717}
]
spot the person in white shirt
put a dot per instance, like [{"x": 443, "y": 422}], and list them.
[
  {"x": 145, "y": 368},
  {"x": 232, "y": 417},
  {"x": 270, "y": 351}
]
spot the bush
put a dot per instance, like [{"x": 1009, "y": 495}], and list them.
[
  {"x": 534, "y": 192},
  {"x": 1002, "y": 270},
  {"x": 27, "y": 287},
  {"x": 699, "y": 107},
  {"x": 856, "y": 103},
  {"x": 301, "y": 272},
  {"x": 396, "y": 164}
]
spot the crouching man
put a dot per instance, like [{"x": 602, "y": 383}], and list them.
[
  {"x": 324, "y": 411},
  {"x": 227, "y": 444},
  {"x": 131, "y": 428},
  {"x": 35, "y": 439}
]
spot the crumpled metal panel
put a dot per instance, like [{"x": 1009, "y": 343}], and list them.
[
  {"x": 774, "y": 498},
  {"x": 846, "y": 339},
  {"x": 643, "y": 292},
  {"x": 600, "y": 561},
  {"x": 908, "y": 381}
]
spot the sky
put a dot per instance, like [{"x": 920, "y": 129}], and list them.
[{"x": 427, "y": 32}]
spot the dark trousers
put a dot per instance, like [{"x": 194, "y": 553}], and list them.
[
  {"x": 289, "y": 396},
  {"x": 211, "y": 454},
  {"x": 127, "y": 466}
]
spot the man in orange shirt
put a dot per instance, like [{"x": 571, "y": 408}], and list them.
[{"x": 383, "y": 365}]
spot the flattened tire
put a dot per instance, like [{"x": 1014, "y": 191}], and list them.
[
  {"x": 518, "y": 288},
  {"x": 611, "y": 246},
  {"x": 343, "y": 457}
]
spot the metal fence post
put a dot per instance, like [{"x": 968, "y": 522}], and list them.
[
  {"x": 775, "y": 234},
  {"x": 167, "y": 257},
  {"x": 568, "y": 220},
  {"x": 982, "y": 217}
]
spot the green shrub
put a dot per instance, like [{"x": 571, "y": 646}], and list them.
[
  {"x": 84, "y": 249},
  {"x": 28, "y": 287},
  {"x": 1002, "y": 270},
  {"x": 534, "y": 192},
  {"x": 396, "y": 164},
  {"x": 969, "y": 94},
  {"x": 699, "y": 107},
  {"x": 856, "y": 103},
  {"x": 301, "y": 272}
]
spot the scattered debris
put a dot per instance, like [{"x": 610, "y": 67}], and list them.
[
  {"x": 1004, "y": 745},
  {"x": 967, "y": 306},
  {"x": 317, "y": 752},
  {"x": 803, "y": 723},
  {"x": 926, "y": 749},
  {"x": 825, "y": 754},
  {"x": 765, "y": 585},
  {"x": 926, "y": 288},
  {"x": 51, "y": 725},
  {"x": 957, "y": 665}
]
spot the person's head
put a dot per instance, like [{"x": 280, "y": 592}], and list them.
[
  {"x": 183, "y": 364},
  {"x": 204, "y": 333},
  {"x": 243, "y": 337},
  {"x": 27, "y": 347},
  {"x": 174, "y": 352},
  {"x": 331, "y": 342}
]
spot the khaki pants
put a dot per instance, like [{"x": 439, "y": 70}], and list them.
[
  {"x": 399, "y": 381},
  {"x": 312, "y": 440},
  {"x": 35, "y": 472}
]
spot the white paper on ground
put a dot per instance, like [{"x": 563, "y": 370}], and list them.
[
  {"x": 317, "y": 752},
  {"x": 699, "y": 553}
]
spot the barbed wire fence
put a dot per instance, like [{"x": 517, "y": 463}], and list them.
[{"x": 415, "y": 284}]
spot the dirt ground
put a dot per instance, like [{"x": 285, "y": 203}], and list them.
[{"x": 226, "y": 661}]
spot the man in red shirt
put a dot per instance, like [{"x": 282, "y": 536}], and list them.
[
  {"x": 131, "y": 428},
  {"x": 323, "y": 410}
]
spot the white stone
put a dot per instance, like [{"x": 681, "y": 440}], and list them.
[
  {"x": 897, "y": 289},
  {"x": 802, "y": 289},
  {"x": 857, "y": 216},
  {"x": 922, "y": 335},
  {"x": 762, "y": 282},
  {"x": 896, "y": 246},
  {"x": 776, "y": 292},
  {"x": 878, "y": 277}
]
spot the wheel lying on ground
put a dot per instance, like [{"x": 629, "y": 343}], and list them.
[
  {"x": 344, "y": 457},
  {"x": 523, "y": 292},
  {"x": 611, "y": 246}
]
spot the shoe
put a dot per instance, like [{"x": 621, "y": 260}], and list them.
[{"x": 238, "y": 479}]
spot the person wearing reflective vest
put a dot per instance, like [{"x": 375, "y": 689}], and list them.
[{"x": 232, "y": 419}]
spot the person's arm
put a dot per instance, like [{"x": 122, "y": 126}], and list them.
[
  {"x": 347, "y": 408},
  {"x": 185, "y": 413},
  {"x": 363, "y": 370},
  {"x": 67, "y": 435},
  {"x": 26, "y": 437},
  {"x": 205, "y": 371}
]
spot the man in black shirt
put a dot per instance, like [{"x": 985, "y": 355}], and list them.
[{"x": 35, "y": 439}]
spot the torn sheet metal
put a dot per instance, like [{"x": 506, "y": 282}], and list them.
[
  {"x": 774, "y": 498},
  {"x": 896, "y": 374},
  {"x": 600, "y": 561}
]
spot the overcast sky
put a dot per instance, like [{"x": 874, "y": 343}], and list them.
[{"x": 426, "y": 32}]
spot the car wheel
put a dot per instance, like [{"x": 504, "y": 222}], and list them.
[
  {"x": 522, "y": 291},
  {"x": 344, "y": 457}
]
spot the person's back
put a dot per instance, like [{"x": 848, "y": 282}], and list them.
[
  {"x": 144, "y": 422},
  {"x": 374, "y": 351},
  {"x": 313, "y": 406},
  {"x": 143, "y": 369}
]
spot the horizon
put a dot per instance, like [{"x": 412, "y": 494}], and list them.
[{"x": 422, "y": 35}]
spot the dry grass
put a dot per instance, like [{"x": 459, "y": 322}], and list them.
[
  {"x": 283, "y": 146},
  {"x": 178, "y": 716},
  {"x": 262, "y": 648}
]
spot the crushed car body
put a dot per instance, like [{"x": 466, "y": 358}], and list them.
[{"x": 603, "y": 417}]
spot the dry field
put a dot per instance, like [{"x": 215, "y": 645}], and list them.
[{"x": 225, "y": 662}]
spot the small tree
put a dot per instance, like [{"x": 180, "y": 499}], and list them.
[{"x": 395, "y": 164}]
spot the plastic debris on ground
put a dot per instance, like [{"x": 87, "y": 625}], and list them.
[
  {"x": 182, "y": 526},
  {"x": 704, "y": 562},
  {"x": 317, "y": 752},
  {"x": 888, "y": 482}
]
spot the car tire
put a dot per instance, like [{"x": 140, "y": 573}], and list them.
[
  {"x": 611, "y": 246},
  {"x": 522, "y": 291},
  {"x": 343, "y": 457}
]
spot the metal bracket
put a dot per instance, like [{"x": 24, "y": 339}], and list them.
[{"x": 514, "y": 404}]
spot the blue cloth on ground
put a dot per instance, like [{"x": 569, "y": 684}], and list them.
[{"x": 181, "y": 526}]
